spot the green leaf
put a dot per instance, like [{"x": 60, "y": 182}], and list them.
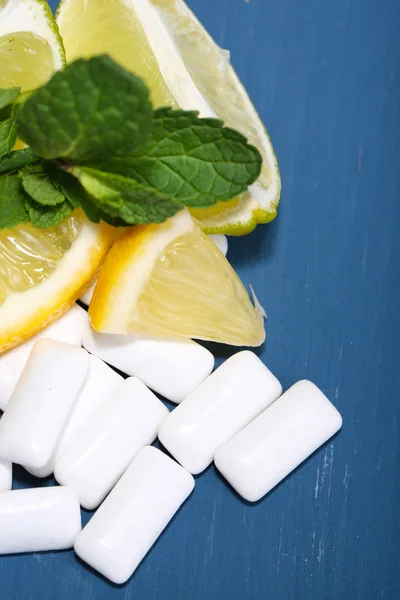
[
  {"x": 92, "y": 110},
  {"x": 126, "y": 199},
  {"x": 114, "y": 221},
  {"x": 39, "y": 186},
  {"x": 12, "y": 202},
  {"x": 8, "y": 95},
  {"x": 35, "y": 169},
  {"x": 73, "y": 191},
  {"x": 47, "y": 216},
  {"x": 8, "y": 135},
  {"x": 78, "y": 196},
  {"x": 196, "y": 161},
  {"x": 17, "y": 160}
]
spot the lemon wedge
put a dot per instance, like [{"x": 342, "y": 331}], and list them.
[
  {"x": 42, "y": 271},
  {"x": 171, "y": 280},
  {"x": 163, "y": 42}
]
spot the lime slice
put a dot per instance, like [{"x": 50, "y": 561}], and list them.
[
  {"x": 30, "y": 45},
  {"x": 91, "y": 27},
  {"x": 163, "y": 42}
]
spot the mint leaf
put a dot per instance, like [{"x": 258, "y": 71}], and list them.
[
  {"x": 74, "y": 192},
  {"x": 196, "y": 161},
  {"x": 8, "y": 95},
  {"x": 12, "y": 202},
  {"x": 39, "y": 186},
  {"x": 78, "y": 196},
  {"x": 35, "y": 169},
  {"x": 96, "y": 144},
  {"x": 8, "y": 134},
  {"x": 47, "y": 216},
  {"x": 17, "y": 159},
  {"x": 92, "y": 110},
  {"x": 123, "y": 198}
]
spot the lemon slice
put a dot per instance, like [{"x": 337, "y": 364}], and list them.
[
  {"x": 171, "y": 280},
  {"x": 163, "y": 42},
  {"x": 42, "y": 271},
  {"x": 30, "y": 45}
]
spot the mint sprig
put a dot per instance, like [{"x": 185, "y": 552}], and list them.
[
  {"x": 17, "y": 160},
  {"x": 7, "y": 96},
  {"x": 13, "y": 210},
  {"x": 92, "y": 110},
  {"x": 44, "y": 216},
  {"x": 38, "y": 185},
  {"x": 195, "y": 161},
  {"x": 8, "y": 132},
  {"x": 126, "y": 199},
  {"x": 95, "y": 143}
]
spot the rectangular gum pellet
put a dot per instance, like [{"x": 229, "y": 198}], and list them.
[
  {"x": 42, "y": 402},
  {"x": 127, "y": 422},
  {"x": 5, "y": 475},
  {"x": 100, "y": 383},
  {"x": 171, "y": 368},
  {"x": 220, "y": 407},
  {"x": 279, "y": 440},
  {"x": 35, "y": 520},
  {"x": 117, "y": 537},
  {"x": 68, "y": 329},
  {"x": 221, "y": 241}
]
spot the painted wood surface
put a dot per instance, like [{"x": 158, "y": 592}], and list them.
[{"x": 325, "y": 78}]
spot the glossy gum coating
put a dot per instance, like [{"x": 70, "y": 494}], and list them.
[
  {"x": 117, "y": 537},
  {"x": 218, "y": 409},
  {"x": 171, "y": 368},
  {"x": 280, "y": 439},
  {"x": 128, "y": 420},
  {"x": 5, "y": 475},
  {"x": 42, "y": 402},
  {"x": 34, "y": 520},
  {"x": 100, "y": 383},
  {"x": 68, "y": 329}
]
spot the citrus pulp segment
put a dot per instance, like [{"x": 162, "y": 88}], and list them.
[{"x": 171, "y": 280}]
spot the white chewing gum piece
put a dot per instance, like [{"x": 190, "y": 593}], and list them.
[
  {"x": 42, "y": 402},
  {"x": 279, "y": 440},
  {"x": 237, "y": 392},
  {"x": 40, "y": 519},
  {"x": 127, "y": 421},
  {"x": 68, "y": 328},
  {"x": 5, "y": 475},
  {"x": 172, "y": 368},
  {"x": 130, "y": 520},
  {"x": 101, "y": 382},
  {"x": 221, "y": 241}
]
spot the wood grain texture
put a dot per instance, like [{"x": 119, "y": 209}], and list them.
[{"x": 325, "y": 78}]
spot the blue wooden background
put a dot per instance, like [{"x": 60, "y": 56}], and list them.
[{"x": 325, "y": 78}]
